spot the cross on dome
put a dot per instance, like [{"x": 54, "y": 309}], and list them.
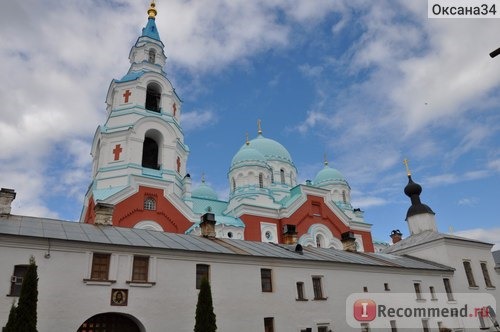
[{"x": 406, "y": 162}]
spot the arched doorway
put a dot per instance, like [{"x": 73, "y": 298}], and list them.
[{"x": 110, "y": 322}]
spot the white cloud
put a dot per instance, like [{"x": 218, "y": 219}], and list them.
[
  {"x": 197, "y": 119},
  {"x": 491, "y": 235},
  {"x": 468, "y": 201}
]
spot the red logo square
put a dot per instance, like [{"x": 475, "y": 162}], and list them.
[{"x": 364, "y": 310}]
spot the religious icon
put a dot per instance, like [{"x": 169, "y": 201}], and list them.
[{"x": 119, "y": 297}]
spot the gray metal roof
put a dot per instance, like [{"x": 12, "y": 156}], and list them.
[
  {"x": 74, "y": 231},
  {"x": 496, "y": 257},
  {"x": 424, "y": 237}
]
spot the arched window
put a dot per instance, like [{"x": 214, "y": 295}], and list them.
[
  {"x": 272, "y": 176},
  {"x": 150, "y": 204},
  {"x": 291, "y": 182},
  {"x": 344, "y": 198},
  {"x": 153, "y": 97},
  {"x": 319, "y": 240},
  {"x": 178, "y": 162},
  {"x": 261, "y": 180},
  {"x": 234, "y": 184},
  {"x": 282, "y": 175},
  {"x": 152, "y": 56},
  {"x": 150, "y": 153}
]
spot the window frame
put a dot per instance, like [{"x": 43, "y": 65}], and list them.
[
  {"x": 19, "y": 272},
  {"x": 136, "y": 269},
  {"x": 469, "y": 273},
  {"x": 150, "y": 204},
  {"x": 448, "y": 289},
  {"x": 301, "y": 294},
  {"x": 100, "y": 268},
  {"x": 486, "y": 275},
  {"x": 268, "y": 324},
  {"x": 318, "y": 291},
  {"x": 418, "y": 290},
  {"x": 266, "y": 280},
  {"x": 202, "y": 271}
]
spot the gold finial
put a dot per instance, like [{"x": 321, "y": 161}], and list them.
[
  {"x": 405, "y": 161},
  {"x": 325, "y": 160},
  {"x": 152, "y": 11},
  {"x": 259, "y": 131},
  {"x": 247, "y": 142},
  {"x": 203, "y": 177}
]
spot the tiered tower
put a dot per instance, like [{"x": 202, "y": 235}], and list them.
[{"x": 139, "y": 155}]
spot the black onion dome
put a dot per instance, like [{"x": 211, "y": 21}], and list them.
[{"x": 413, "y": 190}]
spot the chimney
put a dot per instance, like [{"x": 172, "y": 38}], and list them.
[
  {"x": 207, "y": 225},
  {"x": 6, "y": 198},
  {"x": 396, "y": 236},
  {"x": 104, "y": 214},
  {"x": 289, "y": 234},
  {"x": 349, "y": 241}
]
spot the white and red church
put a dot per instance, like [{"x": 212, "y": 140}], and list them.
[{"x": 140, "y": 177}]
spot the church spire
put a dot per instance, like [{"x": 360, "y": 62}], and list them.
[{"x": 150, "y": 30}]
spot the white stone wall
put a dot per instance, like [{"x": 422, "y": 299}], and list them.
[{"x": 65, "y": 301}]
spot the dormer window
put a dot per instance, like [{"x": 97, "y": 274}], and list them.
[
  {"x": 153, "y": 97},
  {"x": 152, "y": 56}
]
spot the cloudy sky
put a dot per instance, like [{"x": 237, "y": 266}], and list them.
[{"x": 368, "y": 83}]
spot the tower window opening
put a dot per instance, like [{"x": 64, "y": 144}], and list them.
[
  {"x": 344, "y": 198},
  {"x": 319, "y": 240},
  {"x": 234, "y": 184},
  {"x": 152, "y": 56},
  {"x": 153, "y": 97},
  {"x": 150, "y": 154},
  {"x": 282, "y": 175},
  {"x": 261, "y": 180}
]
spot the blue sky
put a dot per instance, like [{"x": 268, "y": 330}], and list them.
[{"x": 368, "y": 83}]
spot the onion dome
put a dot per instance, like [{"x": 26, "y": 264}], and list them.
[
  {"x": 327, "y": 176},
  {"x": 413, "y": 190},
  {"x": 270, "y": 149},
  {"x": 247, "y": 154},
  {"x": 204, "y": 191}
]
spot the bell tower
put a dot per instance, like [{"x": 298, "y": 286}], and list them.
[{"x": 139, "y": 154}]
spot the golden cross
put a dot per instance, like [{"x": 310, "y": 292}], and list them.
[
  {"x": 203, "y": 177},
  {"x": 247, "y": 142},
  {"x": 325, "y": 160},
  {"x": 259, "y": 127},
  {"x": 405, "y": 161}
]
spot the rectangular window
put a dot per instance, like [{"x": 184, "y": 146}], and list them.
[
  {"x": 386, "y": 287},
  {"x": 100, "y": 266},
  {"x": 202, "y": 271},
  {"x": 16, "y": 281},
  {"x": 269, "y": 324},
  {"x": 365, "y": 327},
  {"x": 140, "y": 269},
  {"x": 266, "y": 280},
  {"x": 365, "y": 289},
  {"x": 300, "y": 291},
  {"x": 393, "y": 326},
  {"x": 317, "y": 288},
  {"x": 425, "y": 325},
  {"x": 417, "y": 290},
  {"x": 468, "y": 273},
  {"x": 433, "y": 292},
  {"x": 447, "y": 287},
  {"x": 322, "y": 328},
  {"x": 486, "y": 275}
]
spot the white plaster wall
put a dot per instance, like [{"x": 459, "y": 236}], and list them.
[{"x": 65, "y": 301}]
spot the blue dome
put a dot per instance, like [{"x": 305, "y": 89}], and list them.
[
  {"x": 247, "y": 153},
  {"x": 204, "y": 191},
  {"x": 328, "y": 174},
  {"x": 270, "y": 149}
]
